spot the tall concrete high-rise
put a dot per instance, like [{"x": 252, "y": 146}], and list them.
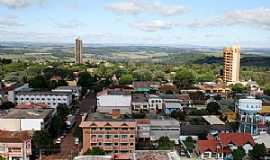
[
  {"x": 231, "y": 70},
  {"x": 78, "y": 51}
]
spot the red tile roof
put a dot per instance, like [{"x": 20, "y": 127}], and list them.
[
  {"x": 207, "y": 145},
  {"x": 30, "y": 105},
  {"x": 238, "y": 139},
  {"x": 224, "y": 139},
  {"x": 141, "y": 84}
]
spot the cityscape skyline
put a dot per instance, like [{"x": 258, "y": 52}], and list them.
[{"x": 137, "y": 22}]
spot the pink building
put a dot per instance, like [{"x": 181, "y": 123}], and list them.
[
  {"x": 113, "y": 133},
  {"x": 15, "y": 145}
]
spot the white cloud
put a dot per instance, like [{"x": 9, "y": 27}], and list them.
[
  {"x": 168, "y": 10},
  {"x": 155, "y": 25},
  {"x": 130, "y": 7},
  {"x": 138, "y": 7},
  {"x": 19, "y": 3},
  {"x": 259, "y": 17},
  {"x": 9, "y": 21},
  {"x": 71, "y": 24}
]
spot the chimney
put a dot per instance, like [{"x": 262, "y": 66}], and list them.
[{"x": 115, "y": 113}]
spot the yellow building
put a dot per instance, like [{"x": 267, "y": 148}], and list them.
[{"x": 231, "y": 68}]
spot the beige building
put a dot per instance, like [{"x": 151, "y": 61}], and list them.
[
  {"x": 115, "y": 134},
  {"x": 231, "y": 64},
  {"x": 78, "y": 51}
]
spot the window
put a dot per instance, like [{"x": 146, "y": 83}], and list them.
[
  {"x": 100, "y": 136},
  {"x": 124, "y": 136},
  {"x": 115, "y": 136},
  {"x": 108, "y": 136}
]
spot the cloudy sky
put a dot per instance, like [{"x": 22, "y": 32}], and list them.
[{"x": 196, "y": 22}]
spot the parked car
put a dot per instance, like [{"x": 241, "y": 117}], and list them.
[
  {"x": 58, "y": 141},
  {"x": 76, "y": 141}
]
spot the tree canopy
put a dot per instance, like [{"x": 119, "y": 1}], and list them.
[
  {"x": 213, "y": 108},
  {"x": 126, "y": 79},
  {"x": 185, "y": 78},
  {"x": 239, "y": 153},
  {"x": 164, "y": 143},
  {"x": 7, "y": 105},
  {"x": 258, "y": 152},
  {"x": 95, "y": 151}
]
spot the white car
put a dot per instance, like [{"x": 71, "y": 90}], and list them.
[
  {"x": 58, "y": 141},
  {"x": 76, "y": 141}
]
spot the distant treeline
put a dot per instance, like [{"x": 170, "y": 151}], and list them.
[{"x": 262, "y": 61}]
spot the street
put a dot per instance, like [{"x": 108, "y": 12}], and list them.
[{"x": 68, "y": 148}]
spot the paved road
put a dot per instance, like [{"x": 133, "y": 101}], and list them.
[{"x": 68, "y": 149}]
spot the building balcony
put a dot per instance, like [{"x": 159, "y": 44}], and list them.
[
  {"x": 108, "y": 148},
  {"x": 113, "y": 132}
]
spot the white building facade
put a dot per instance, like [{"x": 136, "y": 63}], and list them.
[{"x": 52, "y": 99}]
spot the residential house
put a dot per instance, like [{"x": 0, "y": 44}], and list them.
[
  {"x": 155, "y": 102},
  {"x": 15, "y": 145},
  {"x": 171, "y": 103},
  {"x": 139, "y": 102},
  {"x": 221, "y": 146}
]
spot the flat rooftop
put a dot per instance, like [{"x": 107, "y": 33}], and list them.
[
  {"x": 263, "y": 138},
  {"x": 164, "y": 122},
  {"x": 107, "y": 117},
  {"x": 42, "y": 93},
  {"x": 213, "y": 120},
  {"x": 139, "y": 98},
  {"x": 114, "y": 100},
  {"x": 155, "y": 155},
  {"x": 27, "y": 113}
]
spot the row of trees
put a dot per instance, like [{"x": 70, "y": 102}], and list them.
[{"x": 257, "y": 153}]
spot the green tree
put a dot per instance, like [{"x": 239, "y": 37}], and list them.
[
  {"x": 185, "y": 78},
  {"x": 2, "y": 158},
  {"x": 77, "y": 132},
  {"x": 57, "y": 126},
  {"x": 95, "y": 151},
  {"x": 190, "y": 144},
  {"x": 213, "y": 108},
  {"x": 179, "y": 115},
  {"x": 239, "y": 88},
  {"x": 258, "y": 152},
  {"x": 142, "y": 75},
  {"x": 126, "y": 79},
  {"x": 164, "y": 143},
  {"x": 267, "y": 90},
  {"x": 239, "y": 153},
  {"x": 86, "y": 81},
  {"x": 42, "y": 140},
  {"x": 39, "y": 82},
  {"x": 7, "y": 105}
]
